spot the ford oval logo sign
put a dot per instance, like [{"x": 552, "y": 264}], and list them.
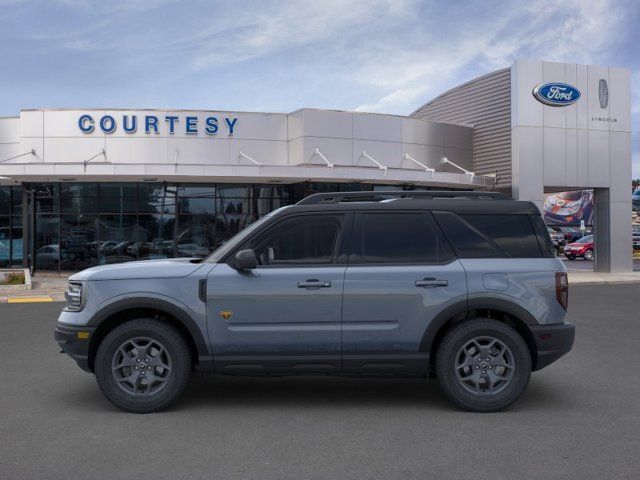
[{"x": 556, "y": 94}]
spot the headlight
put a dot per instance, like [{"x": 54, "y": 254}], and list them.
[{"x": 73, "y": 297}]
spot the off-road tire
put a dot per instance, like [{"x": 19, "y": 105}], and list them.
[
  {"x": 448, "y": 354},
  {"x": 178, "y": 376}
]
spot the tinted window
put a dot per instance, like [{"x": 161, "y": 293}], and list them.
[
  {"x": 490, "y": 236},
  {"x": 302, "y": 240},
  {"x": 468, "y": 242},
  {"x": 399, "y": 238},
  {"x": 5, "y": 200},
  {"x": 514, "y": 234},
  {"x": 544, "y": 240}
]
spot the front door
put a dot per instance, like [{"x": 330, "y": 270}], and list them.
[
  {"x": 284, "y": 316},
  {"x": 402, "y": 272}
]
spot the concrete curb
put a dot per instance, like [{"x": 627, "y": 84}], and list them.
[
  {"x": 592, "y": 278},
  {"x": 604, "y": 282}
]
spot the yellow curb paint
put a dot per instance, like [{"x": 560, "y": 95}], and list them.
[{"x": 29, "y": 299}]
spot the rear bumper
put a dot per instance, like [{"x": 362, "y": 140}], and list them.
[
  {"x": 552, "y": 342},
  {"x": 74, "y": 345}
]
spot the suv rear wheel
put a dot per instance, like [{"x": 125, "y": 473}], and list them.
[
  {"x": 483, "y": 365},
  {"x": 143, "y": 365}
]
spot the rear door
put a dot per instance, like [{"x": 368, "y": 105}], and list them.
[{"x": 402, "y": 272}]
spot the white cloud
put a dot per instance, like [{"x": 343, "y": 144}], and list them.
[
  {"x": 574, "y": 31},
  {"x": 399, "y": 96},
  {"x": 286, "y": 25}
]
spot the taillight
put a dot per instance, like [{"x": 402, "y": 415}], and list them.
[{"x": 562, "y": 289}]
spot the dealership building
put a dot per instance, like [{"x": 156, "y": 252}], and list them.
[{"x": 94, "y": 186}]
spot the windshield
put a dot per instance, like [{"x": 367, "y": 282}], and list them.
[
  {"x": 238, "y": 238},
  {"x": 587, "y": 239}
]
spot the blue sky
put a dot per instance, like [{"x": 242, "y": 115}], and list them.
[{"x": 387, "y": 56}]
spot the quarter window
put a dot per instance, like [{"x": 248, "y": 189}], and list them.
[
  {"x": 514, "y": 234},
  {"x": 490, "y": 236},
  {"x": 399, "y": 238}
]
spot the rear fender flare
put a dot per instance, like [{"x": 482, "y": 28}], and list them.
[{"x": 460, "y": 309}]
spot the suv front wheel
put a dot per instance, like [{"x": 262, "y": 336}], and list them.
[
  {"x": 143, "y": 365},
  {"x": 483, "y": 365}
]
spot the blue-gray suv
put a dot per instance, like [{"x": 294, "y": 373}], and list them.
[{"x": 463, "y": 286}]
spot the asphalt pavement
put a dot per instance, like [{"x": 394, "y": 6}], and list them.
[{"x": 579, "y": 418}]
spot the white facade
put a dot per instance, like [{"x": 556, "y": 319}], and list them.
[
  {"x": 261, "y": 147},
  {"x": 578, "y": 146},
  {"x": 583, "y": 145}
]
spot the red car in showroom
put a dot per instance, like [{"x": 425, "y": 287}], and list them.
[{"x": 580, "y": 248}]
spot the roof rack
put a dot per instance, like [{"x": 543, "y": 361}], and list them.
[{"x": 379, "y": 196}]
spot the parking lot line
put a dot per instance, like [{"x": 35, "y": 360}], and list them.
[{"x": 29, "y": 299}]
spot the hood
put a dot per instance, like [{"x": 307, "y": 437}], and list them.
[{"x": 165, "y": 268}]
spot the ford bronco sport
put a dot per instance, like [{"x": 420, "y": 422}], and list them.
[{"x": 463, "y": 286}]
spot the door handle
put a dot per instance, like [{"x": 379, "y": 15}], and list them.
[
  {"x": 431, "y": 283},
  {"x": 313, "y": 283}
]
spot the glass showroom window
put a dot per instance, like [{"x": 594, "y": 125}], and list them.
[
  {"x": 5, "y": 241},
  {"x": 117, "y": 234},
  {"x": 47, "y": 244},
  {"x": 5, "y": 226},
  {"x": 81, "y": 224},
  {"x": 78, "y": 241}
]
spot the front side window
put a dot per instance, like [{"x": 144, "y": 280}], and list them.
[
  {"x": 301, "y": 240},
  {"x": 399, "y": 238}
]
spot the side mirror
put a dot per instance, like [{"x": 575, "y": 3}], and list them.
[{"x": 245, "y": 260}]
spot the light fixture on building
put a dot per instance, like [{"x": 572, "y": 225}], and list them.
[
  {"x": 406, "y": 156},
  {"x": 364, "y": 154},
  {"x": 244, "y": 155},
  {"x": 102, "y": 152},
  {"x": 318, "y": 153},
  {"x": 445, "y": 160},
  {"x": 32, "y": 152}
]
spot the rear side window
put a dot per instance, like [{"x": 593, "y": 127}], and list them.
[
  {"x": 399, "y": 238},
  {"x": 468, "y": 242},
  {"x": 491, "y": 236}
]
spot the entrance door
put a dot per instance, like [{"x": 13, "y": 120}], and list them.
[
  {"x": 285, "y": 314},
  {"x": 402, "y": 273}
]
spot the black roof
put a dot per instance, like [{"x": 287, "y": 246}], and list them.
[{"x": 455, "y": 201}]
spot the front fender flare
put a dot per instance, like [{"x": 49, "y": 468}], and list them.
[{"x": 180, "y": 312}]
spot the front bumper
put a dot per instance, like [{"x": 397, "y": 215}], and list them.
[
  {"x": 74, "y": 341},
  {"x": 552, "y": 342}
]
